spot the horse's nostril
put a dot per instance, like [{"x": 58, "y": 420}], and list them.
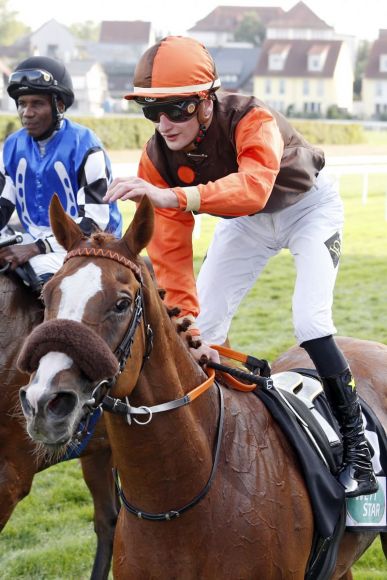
[
  {"x": 62, "y": 404},
  {"x": 27, "y": 408}
]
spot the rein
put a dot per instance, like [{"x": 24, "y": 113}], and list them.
[
  {"x": 175, "y": 513},
  {"x": 117, "y": 406}
]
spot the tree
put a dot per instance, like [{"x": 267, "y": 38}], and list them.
[
  {"x": 87, "y": 30},
  {"x": 11, "y": 29},
  {"x": 250, "y": 29},
  {"x": 361, "y": 61}
]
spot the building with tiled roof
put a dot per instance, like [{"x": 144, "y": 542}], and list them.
[
  {"x": 219, "y": 26},
  {"x": 374, "y": 86},
  {"x": 299, "y": 22},
  {"x": 125, "y": 32},
  {"x": 90, "y": 86},
  {"x": 235, "y": 66},
  {"x": 304, "y": 77},
  {"x": 120, "y": 45},
  {"x": 122, "y": 41}
]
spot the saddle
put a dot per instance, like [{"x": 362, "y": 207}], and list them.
[{"x": 304, "y": 395}]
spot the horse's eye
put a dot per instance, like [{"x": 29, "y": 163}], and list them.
[{"x": 123, "y": 304}]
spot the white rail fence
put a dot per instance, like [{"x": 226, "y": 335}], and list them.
[{"x": 364, "y": 166}]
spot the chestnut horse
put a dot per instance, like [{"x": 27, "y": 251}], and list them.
[
  {"x": 20, "y": 312},
  {"x": 210, "y": 485}
]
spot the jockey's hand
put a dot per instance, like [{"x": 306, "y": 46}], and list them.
[
  {"x": 134, "y": 188},
  {"x": 18, "y": 254},
  {"x": 204, "y": 353}
]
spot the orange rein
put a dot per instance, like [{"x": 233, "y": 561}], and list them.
[{"x": 229, "y": 380}]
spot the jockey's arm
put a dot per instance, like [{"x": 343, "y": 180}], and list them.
[
  {"x": 7, "y": 198},
  {"x": 94, "y": 178}
]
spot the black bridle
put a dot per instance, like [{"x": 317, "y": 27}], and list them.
[{"x": 101, "y": 400}]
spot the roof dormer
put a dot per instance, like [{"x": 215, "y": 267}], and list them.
[
  {"x": 383, "y": 63},
  {"x": 277, "y": 56},
  {"x": 317, "y": 56}
]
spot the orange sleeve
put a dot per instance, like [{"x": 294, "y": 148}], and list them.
[
  {"x": 259, "y": 146},
  {"x": 171, "y": 249}
]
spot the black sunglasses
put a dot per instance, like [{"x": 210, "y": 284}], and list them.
[
  {"x": 177, "y": 112},
  {"x": 32, "y": 77}
]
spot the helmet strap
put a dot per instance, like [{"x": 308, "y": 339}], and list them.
[
  {"x": 57, "y": 113},
  {"x": 204, "y": 122},
  {"x": 201, "y": 134}
]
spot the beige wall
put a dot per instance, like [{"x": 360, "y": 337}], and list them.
[
  {"x": 321, "y": 94},
  {"x": 372, "y": 96}
]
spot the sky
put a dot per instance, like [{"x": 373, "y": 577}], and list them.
[{"x": 361, "y": 18}]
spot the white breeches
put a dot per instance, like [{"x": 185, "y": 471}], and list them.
[{"x": 242, "y": 246}]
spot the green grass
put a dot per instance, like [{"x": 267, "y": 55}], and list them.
[{"x": 50, "y": 535}]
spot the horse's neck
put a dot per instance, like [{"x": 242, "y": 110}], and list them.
[
  {"x": 175, "y": 443},
  {"x": 20, "y": 312},
  {"x": 176, "y": 369}
]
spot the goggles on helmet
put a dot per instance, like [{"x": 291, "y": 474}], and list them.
[
  {"x": 32, "y": 78},
  {"x": 176, "y": 111}
]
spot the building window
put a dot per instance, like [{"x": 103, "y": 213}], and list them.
[
  {"x": 52, "y": 50},
  {"x": 281, "y": 86},
  {"x": 276, "y": 62},
  {"x": 229, "y": 78},
  {"x": 378, "y": 89},
  {"x": 383, "y": 63},
  {"x": 314, "y": 63},
  {"x": 305, "y": 87},
  {"x": 268, "y": 86},
  {"x": 320, "y": 88},
  {"x": 312, "y": 108}
]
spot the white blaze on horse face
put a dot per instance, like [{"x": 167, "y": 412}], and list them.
[
  {"x": 49, "y": 366},
  {"x": 77, "y": 291}
]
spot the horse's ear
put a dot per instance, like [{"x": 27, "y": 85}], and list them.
[
  {"x": 66, "y": 231},
  {"x": 140, "y": 231}
]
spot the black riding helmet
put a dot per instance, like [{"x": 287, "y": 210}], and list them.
[
  {"x": 41, "y": 75},
  {"x": 47, "y": 76}
]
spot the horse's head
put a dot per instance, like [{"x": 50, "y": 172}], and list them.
[{"x": 93, "y": 308}]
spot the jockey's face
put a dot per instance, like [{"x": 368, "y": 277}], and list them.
[
  {"x": 181, "y": 135},
  {"x": 177, "y": 136},
  {"x": 35, "y": 112}
]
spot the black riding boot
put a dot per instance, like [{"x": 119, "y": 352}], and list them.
[{"x": 356, "y": 475}]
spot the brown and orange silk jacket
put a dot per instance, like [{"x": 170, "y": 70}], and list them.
[{"x": 251, "y": 160}]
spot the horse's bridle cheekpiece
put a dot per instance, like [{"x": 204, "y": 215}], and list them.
[{"x": 118, "y": 406}]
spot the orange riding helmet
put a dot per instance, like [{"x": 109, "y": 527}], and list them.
[{"x": 173, "y": 68}]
